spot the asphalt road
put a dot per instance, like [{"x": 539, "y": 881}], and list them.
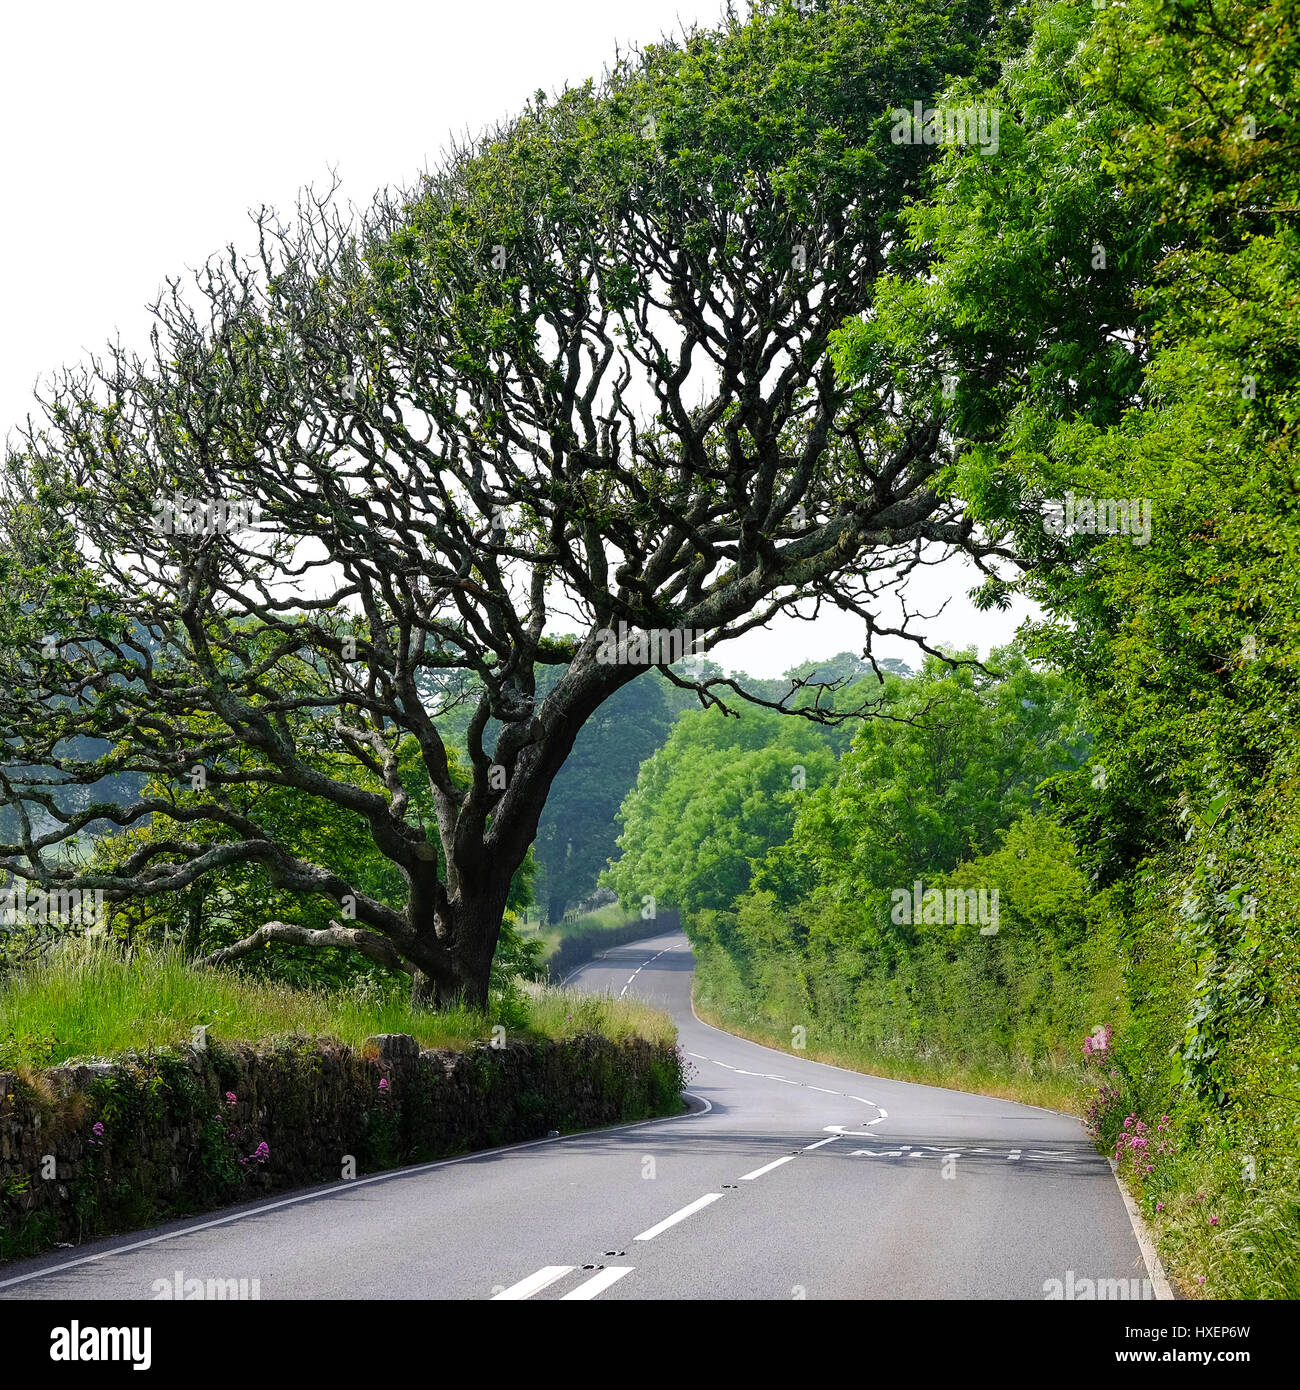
[{"x": 790, "y": 1179}]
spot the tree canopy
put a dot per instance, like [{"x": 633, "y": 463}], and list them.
[{"x": 578, "y": 377}]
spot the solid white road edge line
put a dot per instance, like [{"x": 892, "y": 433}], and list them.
[
  {"x": 1159, "y": 1279},
  {"x": 698, "y": 1205},
  {"x": 535, "y": 1283},
  {"x": 598, "y": 1283}
]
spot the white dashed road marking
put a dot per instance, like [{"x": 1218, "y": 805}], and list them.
[
  {"x": 535, "y": 1283},
  {"x": 642, "y": 966},
  {"x": 698, "y": 1205},
  {"x": 825, "y": 1090},
  {"x": 598, "y": 1283},
  {"x": 766, "y": 1168}
]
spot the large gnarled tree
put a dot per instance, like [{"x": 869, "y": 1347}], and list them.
[{"x": 578, "y": 378}]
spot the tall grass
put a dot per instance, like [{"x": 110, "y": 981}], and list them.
[
  {"x": 556, "y": 1012},
  {"x": 612, "y": 917},
  {"x": 1038, "y": 1084},
  {"x": 87, "y": 999}
]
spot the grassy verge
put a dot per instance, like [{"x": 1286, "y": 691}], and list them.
[
  {"x": 87, "y": 1000},
  {"x": 611, "y": 917},
  {"x": 1227, "y": 1223},
  {"x": 1054, "y": 1091},
  {"x": 273, "y": 1102},
  {"x": 1219, "y": 1198},
  {"x": 1219, "y": 1190}
]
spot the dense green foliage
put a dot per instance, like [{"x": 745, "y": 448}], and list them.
[
  {"x": 1106, "y": 308},
  {"x": 1185, "y": 649},
  {"x": 932, "y": 777},
  {"x": 718, "y": 795},
  {"x": 1115, "y": 298},
  {"x": 789, "y": 898}
]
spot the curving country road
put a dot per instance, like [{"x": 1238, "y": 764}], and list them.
[{"x": 789, "y": 1179}]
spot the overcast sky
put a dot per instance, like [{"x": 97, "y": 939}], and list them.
[{"x": 138, "y": 136}]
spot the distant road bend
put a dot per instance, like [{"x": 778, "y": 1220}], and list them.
[{"x": 790, "y": 1179}]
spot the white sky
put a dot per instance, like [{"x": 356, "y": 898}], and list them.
[{"x": 138, "y": 136}]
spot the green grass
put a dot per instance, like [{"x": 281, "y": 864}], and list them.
[
  {"x": 1222, "y": 1237},
  {"x": 1221, "y": 1197},
  {"x": 557, "y": 1012},
  {"x": 87, "y": 1000},
  {"x": 1050, "y": 1089},
  {"x": 607, "y": 918}
]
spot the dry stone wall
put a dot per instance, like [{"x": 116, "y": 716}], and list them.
[{"x": 88, "y": 1150}]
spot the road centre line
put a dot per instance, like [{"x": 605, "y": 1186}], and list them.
[
  {"x": 642, "y": 966},
  {"x": 535, "y": 1283},
  {"x": 698, "y": 1205},
  {"x": 598, "y": 1283},
  {"x": 771, "y": 1076},
  {"x": 766, "y": 1168}
]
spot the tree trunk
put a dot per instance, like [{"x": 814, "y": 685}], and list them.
[
  {"x": 193, "y": 931},
  {"x": 458, "y": 967},
  {"x": 456, "y": 943}
]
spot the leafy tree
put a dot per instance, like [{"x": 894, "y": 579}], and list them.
[
  {"x": 231, "y": 903},
  {"x": 1043, "y": 888},
  {"x": 580, "y": 373},
  {"x": 956, "y": 756},
  {"x": 1161, "y": 134},
  {"x": 710, "y": 803},
  {"x": 1139, "y": 220},
  {"x": 577, "y": 834}
]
